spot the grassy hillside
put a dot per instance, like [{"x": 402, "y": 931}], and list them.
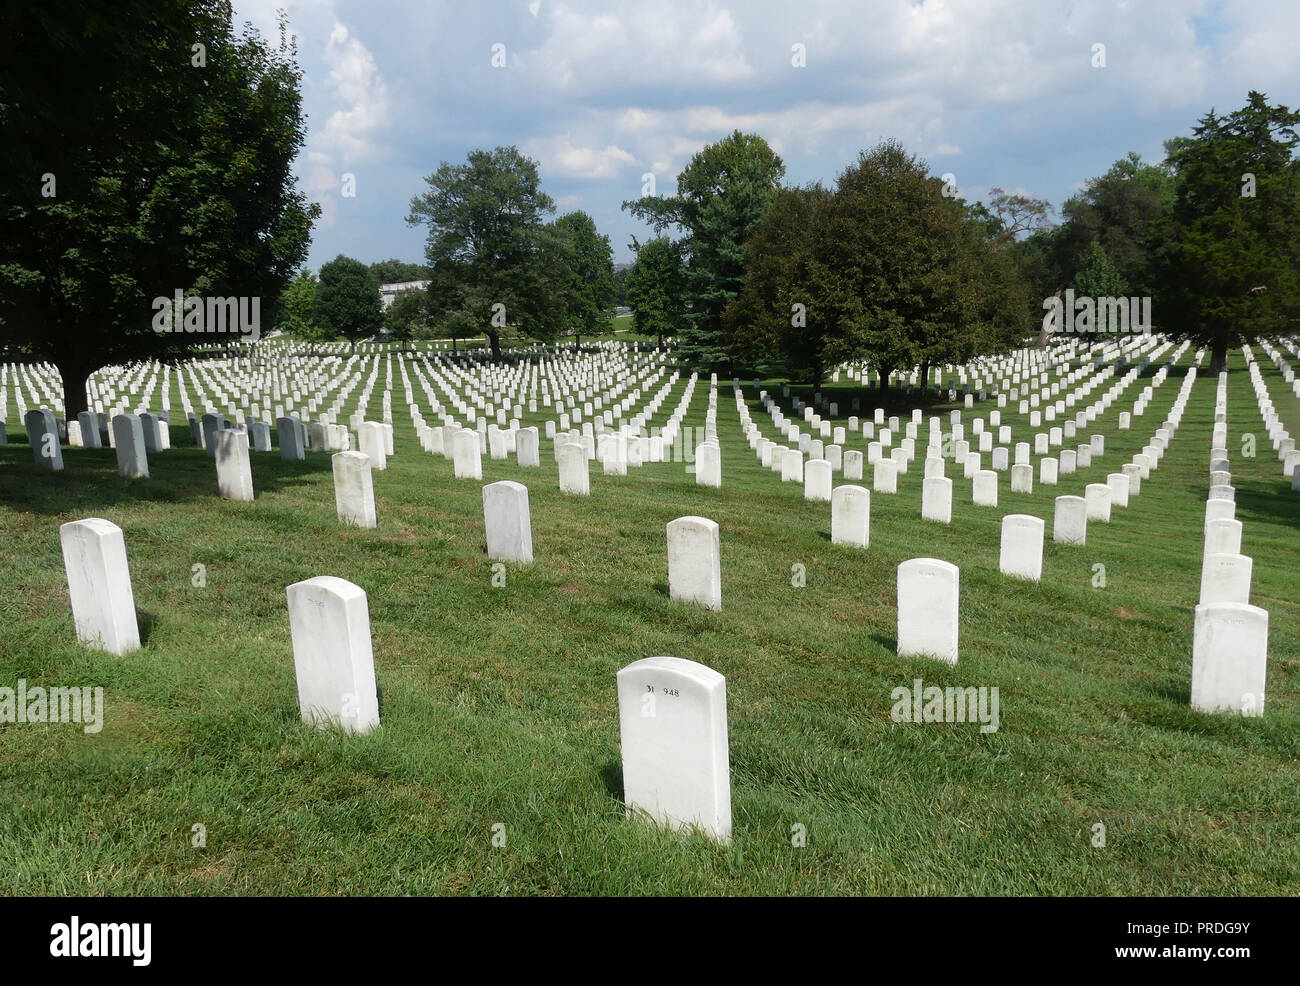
[{"x": 498, "y": 704}]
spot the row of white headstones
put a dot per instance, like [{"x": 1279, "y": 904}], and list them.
[
  {"x": 1230, "y": 636},
  {"x": 325, "y": 435},
  {"x": 269, "y": 384},
  {"x": 672, "y": 711}
]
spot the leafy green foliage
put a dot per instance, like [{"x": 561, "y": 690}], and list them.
[
  {"x": 164, "y": 175},
  {"x": 1228, "y": 264},
  {"x": 347, "y": 300},
  {"x": 300, "y": 307},
  {"x": 1119, "y": 211},
  {"x": 1097, "y": 277},
  {"x": 721, "y": 197},
  {"x": 768, "y": 321},
  {"x": 398, "y": 271},
  {"x": 487, "y": 249},
  {"x": 884, "y": 269},
  {"x": 588, "y": 261},
  {"x": 408, "y": 316},
  {"x": 655, "y": 289}
]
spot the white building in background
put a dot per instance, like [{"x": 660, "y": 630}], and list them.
[{"x": 387, "y": 292}]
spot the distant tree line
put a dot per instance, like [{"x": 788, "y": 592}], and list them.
[{"x": 134, "y": 179}]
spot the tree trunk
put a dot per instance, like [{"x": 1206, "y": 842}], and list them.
[
  {"x": 1219, "y": 355},
  {"x": 495, "y": 342},
  {"x": 74, "y": 389},
  {"x": 925, "y": 381},
  {"x": 884, "y": 372}
]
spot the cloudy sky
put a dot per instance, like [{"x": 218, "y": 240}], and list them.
[{"x": 994, "y": 92}]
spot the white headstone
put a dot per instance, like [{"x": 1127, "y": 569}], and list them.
[
  {"x": 1119, "y": 486},
  {"x": 1225, "y": 578},
  {"x": 575, "y": 476},
  {"x": 234, "y": 474},
  {"x": 708, "y": 465},
  {"x": 851, "y": 516},
  {"x": 817, "y": 480},
  {"x": 1229, "y": 658},
  {"x": 695, "y": 562},
  {"x": 1070, "y": 520},
  {"x": 936, "y": 499},
  {"x": 329, "y": 623},
  {"x": 528, "y": 448},
  {"x": 43, "y": 433},
  {"x": 371, "y": 441},
  {"x": 885, "y": 476},
  {"x": 853, "y": 464},
  {"x": 984, "y": 488},
  {"x": 99, "y": 585},
  {"x": 673, "y": 734},
  {"x": 467, "y": 457},
  {"x": 927, "y": 609},
  {"x": 354, "y": 491},
  {"x": 1021, "y": 552},
  {"x": 128, "y": 439},
  {"x": 508, "y": 522},
  {"x": 1097, "y": 497},
  {"x": 289, "y": 436},
  {"x": 1222, "y": 537},
  {"x": 1022, "y": 478}
]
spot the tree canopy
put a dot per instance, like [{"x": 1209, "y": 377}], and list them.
[
  {"x": 488, "y": 251},
  {"x": 589, "y": 265},
  {"x": 1227, "y": 255},
  {"x": 721, "y": 197},
  {"x": 158, "y": 159},
  {"x": 655, "y": 289},
  {"x": 884, "y": 268},
  {"x": 347, "y": 300}
]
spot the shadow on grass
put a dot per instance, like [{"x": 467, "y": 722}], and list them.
[
  {"x": 1258, "y": 500},
  {"x": 90, "y": 481},
  {"x": 145, "y": 620},
  {"x": 886, "y": 641},
  {"x": 611, "y": 775}
]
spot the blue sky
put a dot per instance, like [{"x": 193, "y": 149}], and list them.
[{"x": 994, "y": 92}]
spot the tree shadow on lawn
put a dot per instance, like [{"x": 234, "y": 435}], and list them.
[
  {"x": 1267, "y": 500},
  {"x": 89, "y": 480}
]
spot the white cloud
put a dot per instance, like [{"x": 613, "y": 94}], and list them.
[
  {"x": 560, "y": 156},
  {"x": 356, "y": 83},
  {"x": 589, "y": 49}
]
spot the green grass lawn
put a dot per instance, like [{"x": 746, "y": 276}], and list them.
[{"x": 499, "y": 705}]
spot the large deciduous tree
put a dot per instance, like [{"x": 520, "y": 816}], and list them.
[
  {"x": 885, "y": 268},
  {"x": 299, "y": 308},
  {"x": 655, "y": 286},
  {"x": 589, "y": 264},
  {"x": 721, "y": 197},
  {"x": 1119, "y": 212},
  {"x": 1228, "y": 254},
  {"x": 768, "y": 322},
  {"x": 156, "y": 158},
  {"x": 347, "y": 300},
  {"x": 487, "y": 246}
]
